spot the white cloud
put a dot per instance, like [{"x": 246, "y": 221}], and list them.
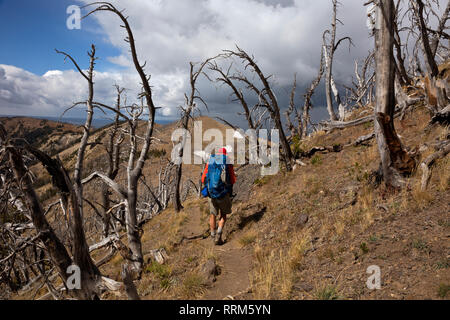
[
  {"x": 25, "y": 93},
  {"x": 53, "y": 73},
  {"x": 284, "y": 36}
]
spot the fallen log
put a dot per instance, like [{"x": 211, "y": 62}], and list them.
[
  {"x": 361, "y": 140},
  {"x": 327, "y": 126},
  {"x": 104, "y": 243},
  {"x": 399, "y": 111},
  {"x": 314, "y": 150},
  {"x": 442, "y": 117},
  {"x": 159, "y": 255},
  {"x": 428, "y": 163}
]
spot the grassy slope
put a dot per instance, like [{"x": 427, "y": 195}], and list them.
[{"x": 271, "y": 253}]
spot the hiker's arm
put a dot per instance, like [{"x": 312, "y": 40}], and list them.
[
  {"x": 232, "y": 175},
  {"x": 205, "y": 172}
]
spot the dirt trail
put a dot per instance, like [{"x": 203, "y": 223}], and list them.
[
  {"x": 233, "y": 281},
  {"x": 234, "y": 261}
]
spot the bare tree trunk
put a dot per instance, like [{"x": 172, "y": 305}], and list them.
[
  {"x": 113, "y": 158},
  {"x": 56, "y": 250},
  {"x": 270, "y": 103},
  {"x": 135, "y": 165},
  {"x": 328, "y": 51},
  {"x": 430, "y": 49},
  {"x": 226, "y": 78},
  {"x": 308, "y": 95},
  {"x": 82, "y": 258},
  {"x": 329, "y": 82},
  {"x": 394, "y": 160},
  {"x": 404, "y": 78},
  {"x": 429, "y": 56},
  {"x": 441, "y": 27},
  {"x": 190, "y": 105},
  {"x": 295, "y": 131}
]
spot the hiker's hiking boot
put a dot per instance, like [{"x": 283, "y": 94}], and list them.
[{"x": 218, "y": 239}]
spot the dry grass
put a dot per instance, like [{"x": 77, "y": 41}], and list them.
[
  {"x": 275, "y": 270},
  {"x": 192, "y": 286},
  {"x": 443, "y": 167},
  {"x": 263, "y": 275},
  {"x": 326, "y": 292},
  {"x": 339, "y": 226},
  {"x": 299, "y": 245},
  {"x": 366, "y": 204},
  {"x": 421, "y": 199},
  {"x": 208, "y": 253},
  {"x": 248, "y": 238},
  {"x": 173, "y": 226}
]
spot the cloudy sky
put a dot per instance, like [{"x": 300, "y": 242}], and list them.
[{"x": 283, "y": 35}]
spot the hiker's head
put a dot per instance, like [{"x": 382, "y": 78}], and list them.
[{"x": 222, "y": 151}]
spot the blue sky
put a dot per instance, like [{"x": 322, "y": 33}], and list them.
[{"x": 32, "y": 29}]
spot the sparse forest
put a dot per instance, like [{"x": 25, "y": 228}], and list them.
[{"x": 368, "y": 186}]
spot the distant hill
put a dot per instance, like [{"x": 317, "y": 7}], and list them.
[
  {"x": 96, "y": 123},
  {"x": 49, "y": 136}
]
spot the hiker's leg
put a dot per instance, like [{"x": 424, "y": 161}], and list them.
[
  {"x": 212, "y": 217},
  {"x": 222, "y": 221},
  {"x": 225, "y": 208},
  {"x": 212, "y": 223}
]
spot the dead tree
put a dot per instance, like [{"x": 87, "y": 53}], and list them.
[
  {"x": 81, "y": 254},
  {"x": 437, "y": 95},
  {"x": 190, "y": 102},
  {"x": 129, "y": 195},
  {"x": 307, "y": 106},
  {"x": 267, "y": 99},
  {"x": 71, "y": 191},
  {"x": 226, "y": 78},
  {"x": 329, "y": 48},
  {"x": 400, "y": 63},
  {"x": 254, "y": 115},
  {"x": 17, "y": 244},
  {"x": 112, "y": 148},
  {"x": 294, "y": 130},
  {"x": 443, "y": 149},
  {"x": 56, "y": 250},
  {"x": 418, "y": 7},
  {"x": 361, "y": 89},
  {"x": 395, "y": 161},
  {"x": 440, "y": 32}
]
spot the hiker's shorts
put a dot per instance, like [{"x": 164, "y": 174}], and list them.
[{"x": 223, "y": 205}]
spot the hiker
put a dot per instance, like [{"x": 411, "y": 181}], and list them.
[{"x": 219, "y": 177}]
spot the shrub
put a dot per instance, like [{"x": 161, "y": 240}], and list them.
[
  {"x": 443, "y": 290},
  {"x": 262, "y": 181},
  {"x": 419, "y": 244},
  {"x": 316, "y": 160},
  {"x": 157, "y": 153},
  {"x": 162, "y": 272},
  {"x": 364, "y": 248},
  {"x": 247, "y": 239},
  {"x": 296, "y": 147},
  {"x": 328, "y": 292},
  {"x": 193, "y": 285}
]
